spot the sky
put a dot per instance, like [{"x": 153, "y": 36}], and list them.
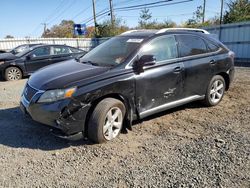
[{"x": 22, "y": 18}]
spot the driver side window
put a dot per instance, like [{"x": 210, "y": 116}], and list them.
[{"x": 163, "y": 48}]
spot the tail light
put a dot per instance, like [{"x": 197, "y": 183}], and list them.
[{"x": 231, "y": 55}]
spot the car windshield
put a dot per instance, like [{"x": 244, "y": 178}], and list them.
[
  {"x": 20, "y": 54},
  {"x": 19, "y": 49},
  {"x": 112, "y": 52}
]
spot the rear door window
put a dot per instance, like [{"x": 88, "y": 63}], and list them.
[
  {"x": 212, "y": 47},
  {"x": 191, "y": 45},
  {"x": 58, "y": 50}
]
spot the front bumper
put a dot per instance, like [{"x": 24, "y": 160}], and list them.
[{"x": 66, "y": 115}]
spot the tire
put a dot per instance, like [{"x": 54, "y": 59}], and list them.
[
  {"x": 103, "y": 126},
  {"x": 13, "y": 73},
  {"x": 215, "y": 91}
]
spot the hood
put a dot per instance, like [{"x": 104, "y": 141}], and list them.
[
  {"x": 62, "y": 74},
  {"x": 7, "y": 56}
]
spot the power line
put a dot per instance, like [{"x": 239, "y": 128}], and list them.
[
  {"x": 55, "y": 10},
  {"x": 145, "y": 5},
  {"x": 84, "y": 10},
  {"x": 137, "y": 8},
  {"x": 153, "y": 6},
  {"x": 50, "y": 15},
  {"x": 62, "y": 12},
  {"x": 105, "y": 10}
]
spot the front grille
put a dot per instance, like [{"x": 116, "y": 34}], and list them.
[{"x": 29, "y": 92}]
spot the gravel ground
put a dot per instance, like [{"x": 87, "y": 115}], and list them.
[{"x": 190, "y": 146}]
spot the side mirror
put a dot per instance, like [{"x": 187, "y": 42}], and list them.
[
  {"x": 145, "y": 60},
  {"x": 28, "y": 57}
]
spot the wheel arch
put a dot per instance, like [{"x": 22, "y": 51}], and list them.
[
  {"x": 226, "y": 78},
  {"x": 128, "y": 116},
  {"x": 19, "y": 67}
]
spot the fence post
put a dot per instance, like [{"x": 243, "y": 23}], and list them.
[{"x": 77, "y": 43}]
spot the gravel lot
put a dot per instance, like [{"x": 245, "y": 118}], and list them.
[{"x": 190, "y": 146}]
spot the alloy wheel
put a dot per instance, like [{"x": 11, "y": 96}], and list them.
[
  {"x": 113, "y": 123},
  {"x": 216, "y": 92},
  {"x": 14, "y": 74}
]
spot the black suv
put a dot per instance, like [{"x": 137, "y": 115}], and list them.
[
  {"x": 129, "y": 77},
  {"x": 26, "y": 59}
]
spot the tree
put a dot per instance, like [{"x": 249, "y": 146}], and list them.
[
  {"x": 107, "y": 29},
  {"x": 63, "y": 30},
  {"x": 238, "y": 11},
  {"x": 145, "y": 21},
  {"x": 145, "y": 17},
  {"x": 196, "y": 19},
  {"x": 8, "y": 37}
]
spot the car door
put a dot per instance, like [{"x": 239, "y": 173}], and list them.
[
  {"x": 197, "y": 62},
  {"x": 60, "y": 53},
  {"x": 162, "y": 82},
  {"x": 38, "y": 58}
]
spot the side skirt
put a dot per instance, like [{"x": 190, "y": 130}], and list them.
[{"x": 170, "y": 105}]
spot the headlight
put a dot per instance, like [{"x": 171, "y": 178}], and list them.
[
  {"x": 57, "y": 94},
  {"x": 1, "y": 62}
]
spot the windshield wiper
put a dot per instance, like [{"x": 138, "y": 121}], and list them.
[
  {"x": 90, "y": 62},
  {"x": 78, "y": 58}
]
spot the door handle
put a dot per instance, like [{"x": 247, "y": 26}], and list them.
[
  {"x": 212, "y": 62},
  {"x": 177, "y": 69}
]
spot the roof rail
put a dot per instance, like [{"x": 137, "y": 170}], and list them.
[
  {"x": 183, "y": 29},
  {"x": 130, "y": 31}
]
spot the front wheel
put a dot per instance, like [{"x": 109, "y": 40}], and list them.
[
  {"x": 106, "y": 121},
  {"x": 13, "y": 73},
  {"x": 215, "y": 91}
]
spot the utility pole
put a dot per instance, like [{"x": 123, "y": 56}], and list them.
[
  {"x": 111, "y": 12},
  {"x": 204, "y": 11},
  {"x": 94, "y": 13},
  {"x": 221, "y": 17},
  {"x": 221, "y": 11},
  {"x": 44, "y": 27}
]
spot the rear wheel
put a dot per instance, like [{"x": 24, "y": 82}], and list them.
[
  {"x": 215, "y": 91},
  {"x": 13, "y": 73},
  {"x": 106, "y": 120}
]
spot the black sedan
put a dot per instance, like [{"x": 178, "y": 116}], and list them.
[{"x": 15, "y": 66}]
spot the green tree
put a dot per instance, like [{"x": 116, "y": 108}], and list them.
[
  {"x": 63, "y": 30},
  {"x": 107, "y": 29},
  {"x": 145, "y": 19},
  {"x": 238, "y": 11},
  {"x": 8, "y": 37},
  {"x": 196, "y": 19}
]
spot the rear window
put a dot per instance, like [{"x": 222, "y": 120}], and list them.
[
  {"x": 191, "y": 45},
  {"x": 75, "y": 50},
  {"x": 212, "y": 47},
  {"x": 57, "y": 50}
]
